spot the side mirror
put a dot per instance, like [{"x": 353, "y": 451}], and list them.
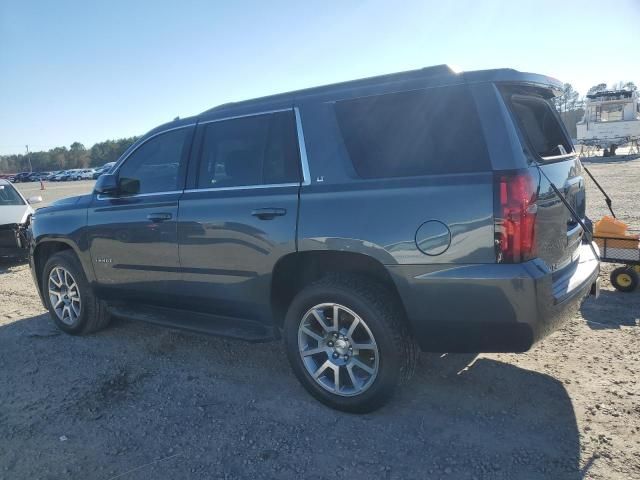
[
  {"x": 36, "y": 199},
  {"x": 128, "y": 186},
  {"x": 106, "y": 185}
]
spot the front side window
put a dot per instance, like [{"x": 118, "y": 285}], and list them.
[
  {"x": 9, "y": 196},
  {"x": 155, "y": 164},
  {"x": 254, "y": 150},
  {"x": 421, "y": 132}
]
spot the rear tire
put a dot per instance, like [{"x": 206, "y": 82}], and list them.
[
  {"x": 69, "y": 298},
  {"x": 624, "y": 279},
  {"x": 369, "y": 359}
]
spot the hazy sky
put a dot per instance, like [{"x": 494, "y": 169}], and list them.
[{"x": 89, "y": 71}]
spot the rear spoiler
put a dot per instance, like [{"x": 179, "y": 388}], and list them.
[{"x": 507, "y": 76}]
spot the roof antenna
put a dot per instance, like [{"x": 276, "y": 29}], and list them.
[{"x": 176, "y": 119}]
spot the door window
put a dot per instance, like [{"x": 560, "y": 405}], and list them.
[
  {"x": 254, "y": 150},
  {"x": 156, "y": 164}
]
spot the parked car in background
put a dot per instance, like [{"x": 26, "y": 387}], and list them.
[
  {"x": 85, "y": 174},
  {"x": 15, "y": 216},
  {"x": 21, "y": 177},
  {"x": 62, "y": 176},
  {"x": 359, "y": 222},
  {"x": 77, "y": 174},
  {"x": 69, "y": 175},
  {"x": 39, "y": 176},
  {"x": 53, "y": 174},
  {"x": 103, "y": 169}
]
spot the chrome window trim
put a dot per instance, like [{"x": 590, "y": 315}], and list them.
[
  {"x": 302, "y": 147},
  {"x": 171, "y": 192},
  {"x": 242, "y": 187},
  {"x": 212, "y": 189}
]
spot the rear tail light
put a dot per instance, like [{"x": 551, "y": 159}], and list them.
[{"x": 515, "y": 217}]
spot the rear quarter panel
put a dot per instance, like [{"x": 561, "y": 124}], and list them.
[{"x": 380, "y": 217}]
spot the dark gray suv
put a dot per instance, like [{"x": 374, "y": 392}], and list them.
[{"x": 360, "y": 222}]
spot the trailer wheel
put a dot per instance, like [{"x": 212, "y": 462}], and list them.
[{"x": 624, "y": 279}]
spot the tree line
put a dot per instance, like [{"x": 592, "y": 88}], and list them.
[{"x": 63, "y": 158}]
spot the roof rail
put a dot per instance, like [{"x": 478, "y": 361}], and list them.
[{"x": 431, "y": 71}]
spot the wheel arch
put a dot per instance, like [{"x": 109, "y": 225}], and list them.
[
  {"x": 296, "y": 270},
  {"x": 43, "y": 251}
]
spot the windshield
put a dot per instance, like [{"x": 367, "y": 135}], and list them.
[{"x": 8, "y": 196}]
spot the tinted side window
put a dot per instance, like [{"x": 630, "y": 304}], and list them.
[
  {"x": 255, "y": 150},
  {"x": 420, "y": 132},
  {"x": 156, "y": 163}
]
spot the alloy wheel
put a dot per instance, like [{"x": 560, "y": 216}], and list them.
[
  {"x": 64, "y": 296},
  {"x": 338, "y": 349}
]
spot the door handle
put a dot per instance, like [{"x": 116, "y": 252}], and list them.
[
  {"x": 269, "y": 213},
  {"x": 159, "y": 217}
]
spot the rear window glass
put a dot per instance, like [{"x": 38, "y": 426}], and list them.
[
  {"x": 540, "y": 124},
  {"x": 421, "y": 132}
]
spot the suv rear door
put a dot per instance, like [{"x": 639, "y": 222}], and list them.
[
  {"x": 557, "y": 234},
  {"x": 133, "y": 236},
  {"x": 238, "y": 216}
]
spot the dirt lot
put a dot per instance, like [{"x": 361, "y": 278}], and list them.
[
  {"x": 138, "y": 401},
  {"x": 55, "y": 190}
]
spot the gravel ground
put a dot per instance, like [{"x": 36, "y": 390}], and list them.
[
  {"x": 54, "y": 190},
  {"x": 142, "y": 402}
]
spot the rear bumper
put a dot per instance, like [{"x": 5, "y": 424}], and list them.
[{"x": 492, "y": 308}]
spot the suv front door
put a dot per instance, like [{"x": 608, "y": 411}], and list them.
[
  {"x": 238, "y": 217},
  {"x": 133, "y": 236}
]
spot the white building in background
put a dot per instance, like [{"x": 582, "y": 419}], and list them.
[{"x": 611, "y": 118}]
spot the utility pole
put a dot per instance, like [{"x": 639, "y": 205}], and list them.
[{"x": 29, "y": 159}]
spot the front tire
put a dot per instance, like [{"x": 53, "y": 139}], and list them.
[
  {"x": 69, "y": 298},
  {"x": 348, "y": 343}
]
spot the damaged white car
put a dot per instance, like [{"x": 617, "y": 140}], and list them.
[{"x": 15, "y": 216}]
